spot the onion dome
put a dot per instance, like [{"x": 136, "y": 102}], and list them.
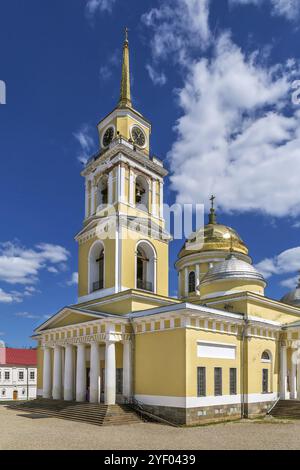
[
  {"x": 233, "y": 269},
  {"x": 213, "y": 237},
  {"x": 293, "y": 297}
]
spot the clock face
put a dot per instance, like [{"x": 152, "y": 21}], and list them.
[
  {"x": 108, "y": 136},
  {"x": 138, "y": 136}
]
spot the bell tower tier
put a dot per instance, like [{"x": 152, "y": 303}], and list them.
[{"x": 123, "y": 244}]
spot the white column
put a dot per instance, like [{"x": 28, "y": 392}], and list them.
[
  {"x": 298, "y": 374},
  {"x": 69, "y": 374},
  {"x": 119, "y": 183},
  {"x": 57, "y": 373},
  {"x": 197, "y": 279},
  {"x": 122, "y": 184},
  {"x": 186, "y": 282},
  {"x": 131, "y": 187},
  {"x": 154, "y": 204},
  {"x": 81, "y": 374},
  {"x": 47, "y": 373},
  {"x": 110, "y": 373},
  {"x": 93, "y": 190},
  {"x": 95, "y": 373},
  {"x": 283, "y": 373},
  {"x": 293, "y": 379},
  {"x": 110, "y": 188},
  {"x": 127, "y": 369}
]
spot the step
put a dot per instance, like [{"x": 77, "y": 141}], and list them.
[{"x": 96, "y": 414}]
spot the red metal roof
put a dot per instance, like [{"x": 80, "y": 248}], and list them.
[{"x": 21, "y": 357}]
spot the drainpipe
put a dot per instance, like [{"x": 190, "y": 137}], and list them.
[{"x": 243, "y": 365}]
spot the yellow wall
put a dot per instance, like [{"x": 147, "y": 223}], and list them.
[{"x": 160, "y": 363}]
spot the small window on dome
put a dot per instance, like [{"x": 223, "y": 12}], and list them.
[{"x": 192, "y": 282}]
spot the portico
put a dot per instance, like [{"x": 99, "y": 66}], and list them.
[
  {"x": 88, "y": 367},
  {"x": 290, "y": 370}
]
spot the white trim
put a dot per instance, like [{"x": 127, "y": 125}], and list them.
[
  {"x": 222, "y": 293},
  {"x": 99, "y": 294},
  {"x": 122, "y": 112},
  {"x": 198, "y": 402}
]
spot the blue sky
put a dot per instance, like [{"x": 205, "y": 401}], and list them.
[{"x": 215, "y": 79}]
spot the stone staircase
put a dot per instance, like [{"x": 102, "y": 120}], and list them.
[
  {"x": 97, "y": 414},
  {"x": 286, "y": 409}
]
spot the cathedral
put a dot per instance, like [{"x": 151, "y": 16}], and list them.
[{"x": 220, "y": 350}]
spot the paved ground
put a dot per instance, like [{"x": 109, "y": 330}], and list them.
[{"x": 19, "y": 431}]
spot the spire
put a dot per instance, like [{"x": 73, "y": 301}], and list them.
[
  {"x": 212, "y": 216},
  {"x": 125, "y": 95}
]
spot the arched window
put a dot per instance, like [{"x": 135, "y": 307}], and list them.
[
  {"x": 96, "y": 267},
  {"x": 192, "y": 282},
  {"x": 102, "y": 193},
  {"x": 266, "y": 356},
  {"x": 141, "y": 193},
  {"x": 145, "y": 267}
]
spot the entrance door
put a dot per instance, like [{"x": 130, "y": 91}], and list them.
[{"x": 15, "y": 394}]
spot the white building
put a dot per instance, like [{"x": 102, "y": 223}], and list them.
[{"x": 18, "y": 374}]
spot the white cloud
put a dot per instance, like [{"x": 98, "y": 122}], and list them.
[
  {"x": 178, "y": 26},
  {"x": 27, "y": 315},
  {"x": 86, "y": 142},
  {"x": 10, "y": 297},
  {"x": 158, "y": 78},
  {"x": 290, "y": 283},
  {"x": 235, "y": 134},
  {"x": 20, "y": 265},
  {"x": 296, "y": 224},
  {"x": 286, "y": 262},
  {"x": 94, "y": 6},
  {"x": 290, "y": 9},
  {"x": 74, "y": 280}
]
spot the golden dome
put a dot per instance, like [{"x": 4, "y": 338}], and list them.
[{"x": 213, "y": 237}]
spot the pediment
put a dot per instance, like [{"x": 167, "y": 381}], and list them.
[{"x": 65, "y": 317}]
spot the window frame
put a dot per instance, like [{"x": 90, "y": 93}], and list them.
[
  {"x": 233, "y": 381},
  {"x": 201, "y": 381},
  {"x": 218, "y": 387}
]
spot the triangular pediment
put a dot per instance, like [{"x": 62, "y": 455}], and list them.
[{"x": 68, "y": 316}]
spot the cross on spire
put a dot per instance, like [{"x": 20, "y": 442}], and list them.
[{"x": 212, "y": 215}]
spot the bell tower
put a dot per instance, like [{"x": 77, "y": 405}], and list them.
[{"x": 123, "y": 244}]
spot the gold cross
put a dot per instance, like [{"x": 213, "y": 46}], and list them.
[{"x": 212, "y": 199}]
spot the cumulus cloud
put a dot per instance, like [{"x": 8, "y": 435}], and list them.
[
  {"x": 236, "y": 135},
  {"x": 178, "y": 26},
  {"x": 238, "y": 130},
  {"x": 290, "y": 9},
  {"x": 10, "y": 297},
  {"x": 21, "y": 265},
  {"x": 286, "y": 262},
  {"x": 158, "y": 78},
  {"x": 86, "y": 142},
  {"x": 94, "y": 6},
  {"x": 74, "y": 280},
  {"x": 290, "y": 283}
]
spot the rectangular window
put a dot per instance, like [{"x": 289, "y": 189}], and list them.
[
  {"x": 21, "y": 375},
  {"x": 201, "y": 381},
  {"x": 218, "y": 381},
  {"x": 6, "y": 375},
  {"x": 265, "y": 381},
  {"x": 32, "y": 375},
  {"x": 232, "y": 380}
]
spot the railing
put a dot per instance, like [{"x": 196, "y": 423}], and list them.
[
  {"x": 144, "y": 285},
  {"x": 138, "y": 407},
  {"x": 97, "y": 285}
]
